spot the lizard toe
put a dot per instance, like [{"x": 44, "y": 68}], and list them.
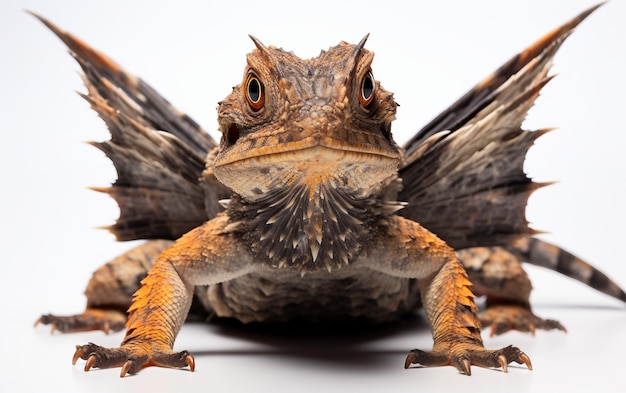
[
  {"x": 463, "y": 357},
  {"x": 90, "y": 319},
  {"x": 503, "y": 318},
  {"x": 131, "y": 359}
]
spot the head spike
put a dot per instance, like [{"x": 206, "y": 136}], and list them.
[
  {"x": 267, "y": 52},
  {"x": 259, "y": 45},
  {"x": 361, "y": 43}
]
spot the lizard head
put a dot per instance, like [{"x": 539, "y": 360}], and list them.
[{"x": 307, "y": 121}]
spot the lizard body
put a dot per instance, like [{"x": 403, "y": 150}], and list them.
[{"x": 325, "y": 215}]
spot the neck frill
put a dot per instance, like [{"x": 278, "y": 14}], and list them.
[{"x": 311, "y": 228}]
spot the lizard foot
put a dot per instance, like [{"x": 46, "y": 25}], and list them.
[
  {"x": 505, "y": 317},
  {"x": 462, "y": 356},
  {"x": 130, "y": 359},
  {"x": 90, "y": 319}
]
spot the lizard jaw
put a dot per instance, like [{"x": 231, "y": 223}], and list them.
[{"x": 309, "y": 162}]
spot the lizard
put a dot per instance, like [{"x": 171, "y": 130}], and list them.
[{"x": 308, "y": 209}]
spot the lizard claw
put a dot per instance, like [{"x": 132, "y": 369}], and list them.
[
  {"x": 465, "y": 367},
  {"x": 505, "y": 317},
  {"x": 191, "y": 362},
  {"x": 90, "y": 362},
  {"x": 126, "y": 368},
  {"x": 463, "y": 356},
  {"x": 90, "y": 319},
  {"x": 504, "y": 364},
  {"x": 526, "y": 360},
  {"x": 77, "y": 355},
  {"x": 130, "y": 359}
]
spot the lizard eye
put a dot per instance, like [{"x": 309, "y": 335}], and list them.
[
  {"x": 368, "y": 88},
  {"x": 255, "y": 92}
]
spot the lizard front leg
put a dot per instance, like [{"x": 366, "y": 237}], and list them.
[
  {"x": 204, "y": 256},
  {"x": 408, "y": 250}
]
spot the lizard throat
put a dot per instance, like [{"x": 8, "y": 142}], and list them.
[{"x": 309, "y": 227}]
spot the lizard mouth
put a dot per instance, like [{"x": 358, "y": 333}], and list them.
[
  {"x": 316, "y": 146},
  {"x": 256, "y": 165}
]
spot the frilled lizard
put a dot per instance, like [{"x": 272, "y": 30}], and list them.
[{"x": 308, "y": 210}]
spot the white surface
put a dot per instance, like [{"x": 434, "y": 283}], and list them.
[{"x": 428, "y": 53}]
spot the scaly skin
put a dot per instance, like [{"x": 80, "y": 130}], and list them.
[
  {"x": 157, "y": 313},
  {"x": 198, "y": 258},
  {"x": 160, "y": 306},
  {"x": 447, "y": 300}
]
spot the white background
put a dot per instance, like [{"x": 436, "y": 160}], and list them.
[{"x": 428, "y": 53}]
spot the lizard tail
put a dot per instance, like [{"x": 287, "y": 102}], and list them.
[{"x": 540, "y": 253}]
